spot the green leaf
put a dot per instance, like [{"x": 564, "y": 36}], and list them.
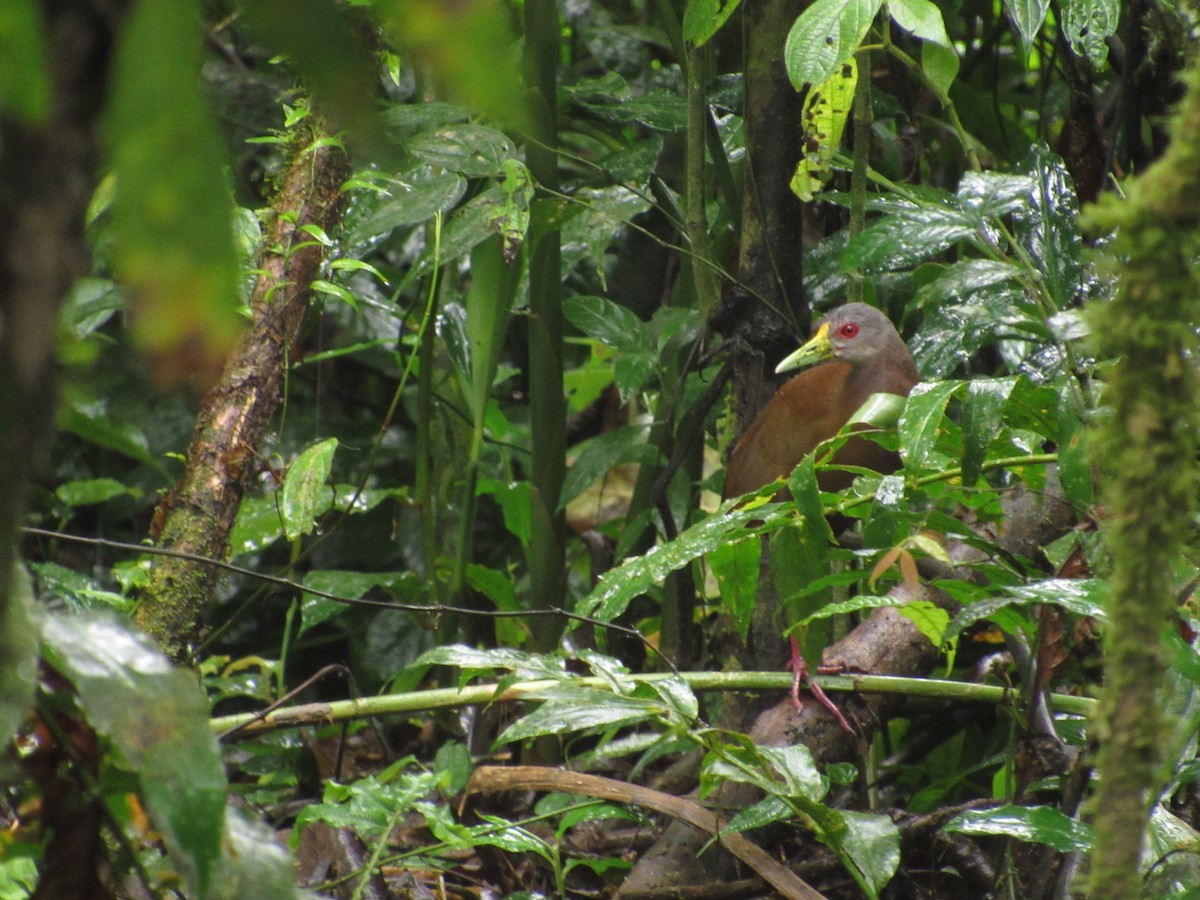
[
  {"x": 795, "y": 765},
  {"x": 767, "y": 811},
  {"x": 91, "y": 303},
  {"x": 305, "y": 495},
  {"x": 93, "y": 490},
  {"x": 610, "y": 323},
  {"x": 704, "y": 18},
  {"x": 416, "y": 199},
  {"x": 510, "y": 837},
  {"x": 171, "y": 215},
  {"x": 526, "y": 665},
  {"x": 904, "y": 239},
  {"x": 489, "y": 300},
  {"x": 353, "y": 585},
  {"x": 514, "y": 499},
  {"x": 93, "y": 422},
  {"x": 1048, "y": 227},
  {"x": 924, "y": 20},
  {"x": 633, "y": 577},
  {"x": 24, "y": 78},
  {"x": 582, "y": 709},
  {"x": 658, "y": 108},
  {"x": 930, "y": 620},
  {"x": 156, "y": 719},
  {"x": 1036, "y": 824},
  {"x": 1087, "y": 24},
  {"x": 824, "y": 36},
  {"x": 1084, "y": 597},
  {"x": 1075, "y": 465},
  {"x": 735, "y": 566},
  {"x": 872, "y": 842},
  {"x": 467, "y": 148},
  {"x": 1027, "y": 16},
  {"x": 621, "y": 445},
  {"x": 921, "y": 420},
  {"x": 252, "y": 864},
  {"x": 494, "y": 584},
  {"x": 941, "y": 65},
  {"x": 983, "y": 417}
]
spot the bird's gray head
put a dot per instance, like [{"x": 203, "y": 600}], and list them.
[{"x": 856, "y": 333}]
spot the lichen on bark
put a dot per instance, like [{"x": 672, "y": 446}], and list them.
[{"x": 1148, "y": 442}]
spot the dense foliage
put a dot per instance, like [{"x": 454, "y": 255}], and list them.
[{"x": 496, "y": 464}]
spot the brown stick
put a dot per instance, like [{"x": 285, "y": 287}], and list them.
[
  {"x": 197, "y": 514},
  {"x": 491, "y": 779}
]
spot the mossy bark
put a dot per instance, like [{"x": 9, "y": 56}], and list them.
[
  {"x": 196, "y": 516},
  {"x": 1149, "y": 444}
]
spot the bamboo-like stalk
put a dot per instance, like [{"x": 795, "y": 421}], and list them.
[{"x": 546, "y": 553}]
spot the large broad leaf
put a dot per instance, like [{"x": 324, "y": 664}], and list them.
[
  {"x": 633, "y": 577},
  {"x": 827, "y": 108},
  {"x": 171, "y": 215},
  {"x": 253, "y": 864},
  {"x": 305, "y": 495},
  {"x": 156, "y": 719},
  {"x": 824, "y": 36},
  {"x": 608, "y": 322},
  {"x": 704, "y": 18},
  {"x": 983, "y": 417},
  {"x": 1027, "y": 16},
  {"x": 872, "y": 842},
  {"x": 1087, "y": 25},
  {"x": 580, "y": 709},
  {"x": 489, "y": 300},
  {"x": 924, "y": 20},
  {"x": 1038, "y": 824},
  {"x": 24, "y": 81},
  {"x": 1084, "y": 597},
  {"x": 315, "y": 610},
  {"x": 906, "y": 238},
  {"x": 921, "y": 420},
  {"x": 416, "y": 199},
  {"x": 621, "y": 445},
  {"x": 735, "y": 565},
  {"x": 1049, "y": 227}
]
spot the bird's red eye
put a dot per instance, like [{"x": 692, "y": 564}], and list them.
[{"x": 849, "y": 330}]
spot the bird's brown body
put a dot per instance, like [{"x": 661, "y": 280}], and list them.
[{"x": 860, "y": 354}]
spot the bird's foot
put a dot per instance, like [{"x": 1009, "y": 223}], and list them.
[{"x": 800, "y": 670}]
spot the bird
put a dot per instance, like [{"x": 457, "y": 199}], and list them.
[{"x": 853, "y": 353}]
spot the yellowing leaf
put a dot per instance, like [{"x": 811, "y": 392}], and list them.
[{"x": 826, "y": 110}]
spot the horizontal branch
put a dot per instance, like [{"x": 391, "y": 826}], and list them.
[{"x": 310, "y": 714}]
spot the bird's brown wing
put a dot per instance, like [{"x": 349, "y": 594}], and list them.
[{"x": 806, "y": 410}]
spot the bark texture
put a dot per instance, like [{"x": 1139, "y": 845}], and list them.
[
  {"x": 1149, "y": 445},
  {"x": 196, "y": 516}
]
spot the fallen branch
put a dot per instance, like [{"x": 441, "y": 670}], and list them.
[{"x": 491, "y": 779}]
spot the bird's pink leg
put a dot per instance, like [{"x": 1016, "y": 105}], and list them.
[{"x": 800, "y": 670}]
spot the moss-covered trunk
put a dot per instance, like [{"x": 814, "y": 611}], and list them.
[
  {"x": 197, "y": 514},
  {"x": 1149, "y": 443}
]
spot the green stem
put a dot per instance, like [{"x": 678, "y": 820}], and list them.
[
  {"x": 546, "y": 553},
  {"x": 449, "y": 698}
]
